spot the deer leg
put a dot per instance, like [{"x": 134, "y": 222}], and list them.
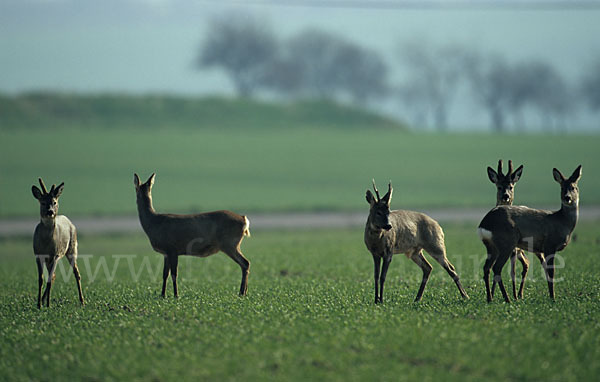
[
  {"x": 40, "y": 269},
  {"x": 78, "y": 278},
  {"x": 51, "y": 266},
  {"x": 550, "y": 274},
  {"x": 525, "y": 263},
  {"x": 174, "y": 262},
  {"x": 439, "y": 254},
  {"x": 237, "y": 256},
  {"x": 498, "y": 265},
  {"x": 384, "y": 268},
  {"x": 513, "y": 260},
  {"x": 422, "y": 262},
  {"x": 165, "y": 275},
  {"x": 73, "y": 261},
  {"x": 491, "y": 258},
  {"x": 544, "y": 260},
  {"x": 377, "y": 267}
]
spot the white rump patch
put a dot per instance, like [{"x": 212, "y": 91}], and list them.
[
  {"x": 246, "y": 230},
  {"x": 484, "y": 234}
]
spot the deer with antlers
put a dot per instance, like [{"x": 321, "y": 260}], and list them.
[
  {"x": 54, "y": 237},
  {"x": 505, "y": 196},
  {"x": 545, "y": 233},
  {"x": 391, "y": 232}
]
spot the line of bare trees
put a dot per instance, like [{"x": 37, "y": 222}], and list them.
[
  {"x": 319, "y": 64},
  {"x": 311, "y": 64}
]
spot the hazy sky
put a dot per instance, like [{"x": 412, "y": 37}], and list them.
[{"x": 149, "y": 45}]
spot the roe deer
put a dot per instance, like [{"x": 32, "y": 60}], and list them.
[
  {"x": 54, "y": 237},
  {"x": 198, "y": 235},
  {"x": 505, "y": 228},
  {"x": 391, "y": 232},
  {"x": 505, "y": 197}
]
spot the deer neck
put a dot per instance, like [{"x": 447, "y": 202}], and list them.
[
  {"x": 569, "y": 214},
  {"x": 145, "y": 210},
  {"x": 49, "y": 224}
]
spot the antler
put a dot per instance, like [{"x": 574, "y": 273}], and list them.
[
  {"x": 376, "y": 191},
  {"x": 500, "y": 167},
  {"x": 510, "y": 167},
  {"x": 42, "y": 185}
]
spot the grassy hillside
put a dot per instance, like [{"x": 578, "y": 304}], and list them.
[
  {"x": 276, "y": 169},
  {"x": 250, "y": 156},
  {"x": 308, "y": 315},
  {"x": 44, "y": 110}
]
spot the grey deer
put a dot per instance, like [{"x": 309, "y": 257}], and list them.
[
  {"x": 545, "y": 233},
  {"x": 198, "y": 235},
  {"x": 391, "y": 232},
  {"x": 505, "y": 196},
  {"x": 54, "y": 237}
]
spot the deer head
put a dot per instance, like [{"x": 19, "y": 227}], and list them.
[
  {"x": 505, "y": 182},
  {"x": 48, "y": 199},
  {"x": 569, "y": 191},
  {"x": 143, "y": 189},
  {"x": 379, "y": 214}
]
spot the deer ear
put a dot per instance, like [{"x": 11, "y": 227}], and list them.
[
  {"x": 493, "y": 175},
  {"x": 574, "y": 178},
  {"x": 37, "y": 193},
  {"x": 58, "y": 190},
  {"x": 558, "y": 176},
  {"x": 150, "y": 181},
  {"x": 515, "y": 176},
  {"x": 370, "y": 198},
  {"x": 136, "y": 181}
]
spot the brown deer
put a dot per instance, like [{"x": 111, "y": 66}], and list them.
[
  {"x": 392, "y": 232},
  {"x": 198, "y": 235},
  {"x": 505, "y": 196},
  {"x": 54, "y": 237},
  {"x": 505, "y": 228}
]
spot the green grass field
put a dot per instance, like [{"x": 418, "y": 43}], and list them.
[
  {"x": 280, "y": 169},
  {"x": 308, "y": 315}
]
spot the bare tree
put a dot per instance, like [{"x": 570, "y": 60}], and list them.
[
  {"x": 315, "y": 52},
  {"x": 242, "y": 46},
  {"x": 330, "y": 66},
  {"x": 504, "y": 88},
  {"x": 550, "y": 94},
  {"x": 488, "y": 77},
  {"x": 283, "y": 76},
  {"x": 437, "y": 72},
  {"x": 362, "y": 73},
  {"x": 414, "y": 98},
  {"x": 590, "y": 86},
  {"x": 520, "y": 91}
]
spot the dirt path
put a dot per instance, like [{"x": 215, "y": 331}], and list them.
[{"x": 262, "y": 221}]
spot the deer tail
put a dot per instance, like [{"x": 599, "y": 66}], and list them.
[{"x": 246, "y": 229}]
